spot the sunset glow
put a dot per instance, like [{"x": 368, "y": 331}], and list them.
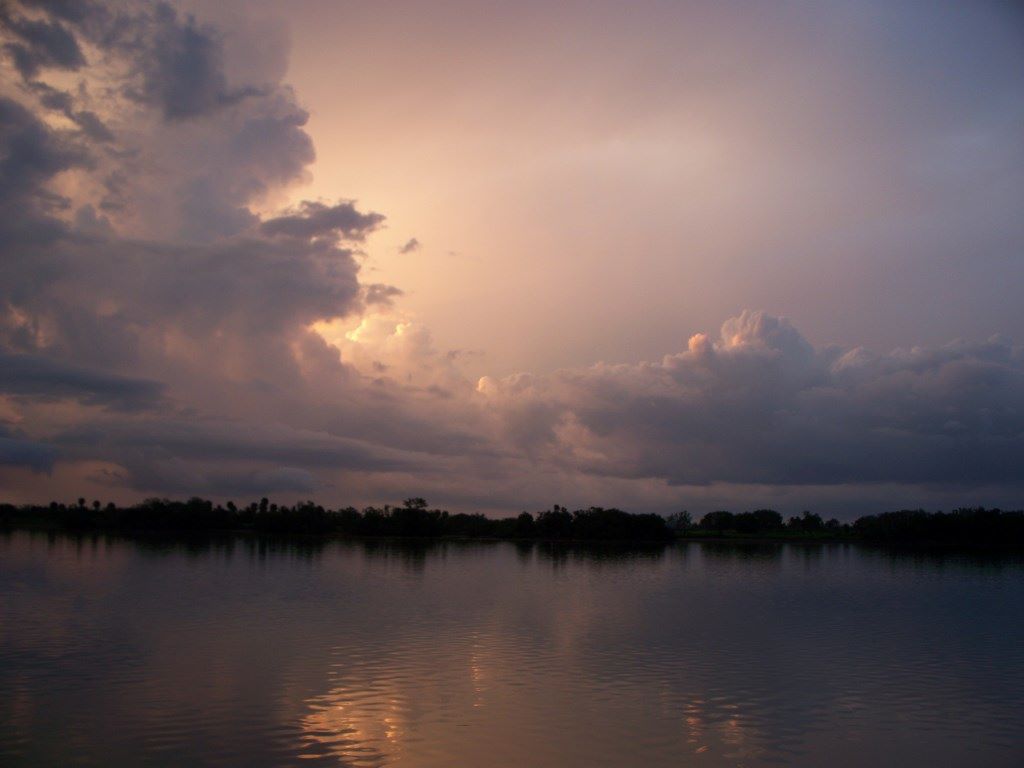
[{"x": 650, "y": 255}]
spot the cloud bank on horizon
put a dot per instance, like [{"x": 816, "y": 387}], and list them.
[{"x": 171, "y": 325}]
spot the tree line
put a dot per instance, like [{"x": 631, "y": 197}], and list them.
[
  {"x": 413, "y": 518},
  {"x": 964, "y": 527},
  {"x": 990, "y": 528}
]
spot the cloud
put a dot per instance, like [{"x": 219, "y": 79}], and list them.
[
  {"x": 181, "y": 479},
  {"x": 164, "y": 89},
  {"x": 137, "y": 277},
  {"x": 179, "y": 456},
  {"x": 184, "y": 73},
  {"x": 760, "y": 405},
  {"x": 30, "y": 155},
  {"x": 92, "y": 126},
  {"x": 40, "y": 44},
  {"x": 313, "y": 220},
  {"x": 211, "y": 441},
  {"x": 75, "y": 12},
  {"x": 379, "y": 293},
  {"x": 15, "y": 452},
  {"x": 41, "y": 378},
  {"x": 411, "y": 246},
  {"x": 156, "y": 321}
]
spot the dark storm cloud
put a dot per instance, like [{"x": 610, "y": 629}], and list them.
[
  {"x": 259, "y": 146},
  {"x": 178, "y": 64},
  {"x": 16, "y": 452},
  {"x": 56, "y": 279},
  {"x": 242, "y": 301},
  {"x": 40, "y": 378},
  {"x": 183, "y": 71},
  {"x": 178, "y": 456},
  {"x": 52, "y": 98},
  {"x": 760, "y": 405},
  {"x": 73, "y": 11},
  {"x": 243, "y": 138},
  {"x": 182, "y": 479},
  {"x": 176, "y": 326},
  {"x": 240, "y": 285},
  {"x": 30, "y": 154},
  {"x": 319, "y": 220},
  {"x": 39, "y": 44},
  {"x": 276, "y": 445},
  {"x": 92, "y": 126}
]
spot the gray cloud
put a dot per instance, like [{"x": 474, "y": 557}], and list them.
[
  {"x": 92, "y": 126},
  {"x": 183, "y": 73},
  {"x": 15, "y": 452},
  {"x": 243, "y": 138},
  {"x": 219, "y": 441},
  {"x": 760, "y": 405},
  {"x": 41, "y": 378},
  {"x": 411, "y": 246},
  {"x": 30, "y": 155},
  {"x": 382, "y": 294},
  {"x": 40, "y": 44},
  {"x": 182, "y": 456},
  {"x": 76, "y": 12},
  {"x": 183, "y": 479},
  {"x": 180, "y": 326},
  {"x": 320, "y": 220}
]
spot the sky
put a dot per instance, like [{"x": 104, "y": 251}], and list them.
[{"x": 654, "y": 255}]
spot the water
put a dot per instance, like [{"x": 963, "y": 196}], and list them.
[{"x": 120, "y": 653}]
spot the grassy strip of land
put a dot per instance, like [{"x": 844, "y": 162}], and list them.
[{"x": 962, "y": 528}]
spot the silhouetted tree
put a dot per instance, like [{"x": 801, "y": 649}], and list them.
[
  {"x": 808, "y": 523},
  {"x": 720, "y": 520},
  {"x": 758, "y": 521},
  {"x": 680, "y": 521}
]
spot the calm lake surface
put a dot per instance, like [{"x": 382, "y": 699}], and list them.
[{"x": 241, "y": 652}]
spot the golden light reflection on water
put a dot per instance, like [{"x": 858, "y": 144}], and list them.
[
  {"x": 721, "y": 729},
  {"x": 342, "y": 723},
  {"x": 480, "y": 702},
  {"x": 395, "y": 715}
]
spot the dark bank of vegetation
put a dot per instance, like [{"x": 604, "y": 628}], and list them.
[
  {"x": 962, "y": 528},
  {"x": 412, "y": 519},
  {"x": 974, "y": 527}
]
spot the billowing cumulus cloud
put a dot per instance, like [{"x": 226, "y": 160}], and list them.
[
  {"x": 137, "y": 277},
  {"x": 171, "y": 324},
  {"x": 760, "y": 405}
]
